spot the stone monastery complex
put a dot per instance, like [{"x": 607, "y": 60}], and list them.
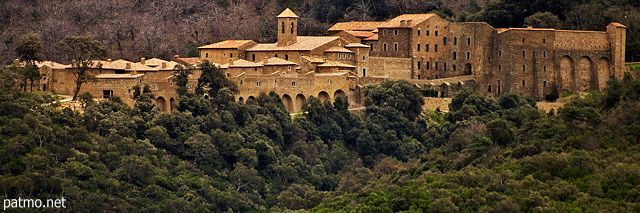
[{"x": 421, "y": 48}]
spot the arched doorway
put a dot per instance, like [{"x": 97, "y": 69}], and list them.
[
  {"x": 567, "y": 73},
  {"x": 340, "y": 94},
  {"x": 300, "y": 99},
  {"x": 241, "y": 100},
  {"x": 288, "y": 103},
  {"x": 467, "y": 69},
  {"x": 324, "y": 96},
  {"x": 172, "y": 104},
  {"x": 162, "y": 104},
  {"x": 585, "y": 74}
]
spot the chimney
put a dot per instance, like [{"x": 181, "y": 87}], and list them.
[
  {"x": 402, "y": 23},
  {"x": 128, "y": 66},
  {"x": 164, "y": 65},
  {"x": 265, "y": 60},
  {"x": 143, "y": 60},
  {"x": 176, "y": 56},
  {"x": 409, "y": 23}
]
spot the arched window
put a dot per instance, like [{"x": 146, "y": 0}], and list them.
[
  {"x": 286, "y": 56},
  {"x": 258, "y": 84},
  {"x": 292, "y": 27},
  {"x": 395, "y": 47},
  {"x": 329, "y": 82},
  {"x": 253, "y": 57},
  {"x": 230, "y": 55},
  {"x": 206, "y": 55},
  {"x": 364, "y": 72},
  {"x": 282, "y": 27},
  {"x": 293, "y": 83},
  {"x": 384, "y": 47},
  {"x": 418, "y": 48}
]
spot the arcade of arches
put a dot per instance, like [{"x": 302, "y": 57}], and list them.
[{"x": 294, "y": 103}]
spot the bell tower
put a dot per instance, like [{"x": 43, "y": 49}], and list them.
[{"x": 287, "y": 28}]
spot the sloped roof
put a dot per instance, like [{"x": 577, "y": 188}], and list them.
[
  {"x": 618, "y": 24},
  {"x": 190, "y": 61},
  {"x": 332, "y": 74},
  {"x": 228, "y": 44},
  {"x": 313, "y": 59},
  {"x": 402, "y": 20},
  {"x": 303, "y": 43},
  {"x": 287, "y": 13},
  {"x": 51, "y": 64},
  {"x": 338, "y": 50},
  {"x": 355, "y": 26},
  {"x": 360, "y": 34},
  {"x": 243, "y": 63},
  {"x": 372, "y": 38},
  {"x": 278, "y": 61},
  {"x": 356, "y": 45}
]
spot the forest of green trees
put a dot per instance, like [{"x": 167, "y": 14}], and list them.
[
  {"x": 214, "y": 155},
  {"x": 131, "y": 29}
]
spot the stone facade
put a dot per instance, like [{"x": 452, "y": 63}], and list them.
[
  {"x": 525, "y": 61},
  {"x": 422, "y": 48}
]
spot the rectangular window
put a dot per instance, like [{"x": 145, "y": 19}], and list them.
[
  {"x": 436, "y": 65},
  {"x": 426, "y": 47},
  {"x": 444, "y": 67},
  {"x": 455, "y": 55},
  {"x": 544, "y": 54},
  {"x": 427, "y": 34},
  {"x": 469, "y": 56},
  {"x": 469, "y": 41},
  {"x": 499, "y": 53},
  {"x": 418, "y": 65},
  {"x": 523, "y": 83},
  {"x": 524, "y": 53},
  {"x": 428, "y": 65},
  {"x": 454, "y": 67},
  {"x": 524, "y": 67},
  {"x": 418, "y": 48},
  {"x": 444, "y": 41},
  {"x": 435, "y": 48},
  {"x": 418, "y": 32},
  {"x": 544, "y": 68},
  {"x": 455, "y": 40},
  {"x": 107, "y": 94},
  {"x": 436, "y": 33}
]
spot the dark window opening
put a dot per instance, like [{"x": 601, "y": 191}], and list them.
[{"x": 107, "y": 94}]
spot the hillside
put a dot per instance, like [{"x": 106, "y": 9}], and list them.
[{"x": 214, "y": 155}]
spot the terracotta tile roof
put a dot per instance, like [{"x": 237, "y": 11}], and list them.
[
  {"x": 406, "y": 20},
  {"x": 287, "y": 13},
  {"x": 336, "y": 64},
  {"x": 303, "y": 43},
  {"x": 229, "y": 44},
  {"x": 356, "y": 45},
  {"x": 115, "y": 65},
  {"x": 243, "y": 63},
  {"x": 313, "y": 59},
  {"x": 355, "y": 26},
  {"x": 360, "y": 34},
  {"x": 118, "y": 76},
  {"x": 338, "y": 50},
  {"x": 618, "y": 24},
  {"x": 189, "y": 61},
  {"x": 332, "y": 74},
  {"x": 372, "y": 38},
  {"x": 51, "y": 64},
  {"x": 278, "y": 61},
  {"x": 160, "y": 64}
]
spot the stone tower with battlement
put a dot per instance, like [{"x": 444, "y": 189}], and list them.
[{"x": 287, "y": 28}]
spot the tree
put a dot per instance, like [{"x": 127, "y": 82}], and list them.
[
  {"x": 181, "y": 77},
  {"x": 400, "y": 95},
  {"x": 214, "y": 83},
  {"x": 28, "y": 49},
  {"x": 543, "y": 20},
  {"x": 82, "y": 50}
]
